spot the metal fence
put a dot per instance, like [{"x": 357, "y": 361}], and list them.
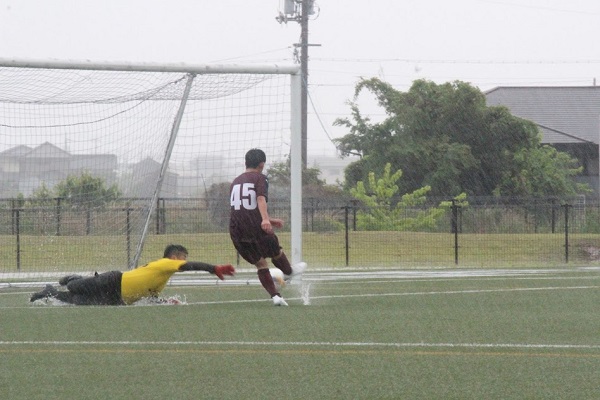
[{"x": 486, "y": 232}]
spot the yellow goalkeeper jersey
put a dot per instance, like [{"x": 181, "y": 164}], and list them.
[{"x": 148, "y": 280}]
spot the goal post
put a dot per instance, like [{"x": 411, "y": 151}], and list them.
[{"x": 90, "y": 153}]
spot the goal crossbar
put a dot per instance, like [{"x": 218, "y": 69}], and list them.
[{"x": 153, "y": 67}]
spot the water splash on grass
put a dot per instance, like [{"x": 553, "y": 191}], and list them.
[{"x": 305, "y": 293}]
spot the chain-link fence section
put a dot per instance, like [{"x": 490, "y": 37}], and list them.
[{"x": 496, "y": 232}]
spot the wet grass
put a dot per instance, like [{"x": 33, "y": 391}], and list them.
[{"x": 435, "y": 335}]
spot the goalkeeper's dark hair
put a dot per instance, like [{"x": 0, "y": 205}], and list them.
[
  {"x": 176, "y": 250},
  {"x": 254, "y": 157}
]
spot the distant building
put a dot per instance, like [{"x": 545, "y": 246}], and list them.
[
  {"x": 144, "y": 179},
  {"x": 24, "y": 169},
  {"x": 331, "y": 167},
  {"x": 568, "y": 118}
]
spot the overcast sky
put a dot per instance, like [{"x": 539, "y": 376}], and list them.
[{"x": 488, "y": 43}]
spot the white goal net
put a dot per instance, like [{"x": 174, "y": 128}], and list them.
[{"x": 103, "y": 165}]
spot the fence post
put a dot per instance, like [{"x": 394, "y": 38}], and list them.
[
  {"x": 354, "y": 209},
  {"x": 567, "y": 206},
  {"x": 553, "y": 205},
  {"x": 128, "y": 235},
  {"x": 454, "y": 229},
  {"x": 88, "y": 221},
  {"x": 347, "y": 238},
  {"x": 160, "y": 216},
  {"x": 535, "y": 216},
  {"x": 58, "y": 215},
  {"x": 163, "y": 217},
  {"x": 309, "y": 214},
  {"x": 16, "y": 213},
  {"x": 13, "y": 206}
]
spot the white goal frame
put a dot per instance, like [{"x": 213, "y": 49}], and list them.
[{"x": 198, "y": 69}]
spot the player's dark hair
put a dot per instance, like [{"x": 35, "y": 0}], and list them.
[
  {"x": 175, "y": 250},
  {"x": 254, "y": 157}
]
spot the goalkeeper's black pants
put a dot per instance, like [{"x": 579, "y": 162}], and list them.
[{"x": 101, "y": 289}]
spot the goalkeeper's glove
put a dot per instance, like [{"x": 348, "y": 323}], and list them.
[{"x": 221, "y": 270}]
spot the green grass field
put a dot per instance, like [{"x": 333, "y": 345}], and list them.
[{"x": 369, "y": 334}]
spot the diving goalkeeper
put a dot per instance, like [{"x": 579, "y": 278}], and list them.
[{"x": 121, "y": 288}]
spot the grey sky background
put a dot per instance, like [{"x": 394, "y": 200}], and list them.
[{"x": 488, "y": 43}]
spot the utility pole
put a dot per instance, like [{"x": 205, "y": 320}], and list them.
[
  {"x": 304, "y": 77},
  {"x": 299, "y": 11}
]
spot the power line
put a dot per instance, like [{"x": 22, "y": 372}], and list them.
[
  {"x": 487, "y": 81},
  {"x": 440, "y": 61},
  {"x": 253, "y": 55},
  {"x": 319, "y": 119},
  {"x": 562, "y": 10}
]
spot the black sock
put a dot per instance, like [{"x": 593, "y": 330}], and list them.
[{"x": 282, "y": 263}]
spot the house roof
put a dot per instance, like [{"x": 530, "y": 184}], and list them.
[
  {"x": 47, "y": 150},
  {"x": 17, "y": 151},
  {"x": 93, "y": 162},
  {"x": 564, "y": 114}
]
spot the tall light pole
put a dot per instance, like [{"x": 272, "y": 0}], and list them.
[{"x": 299, "y": 11}]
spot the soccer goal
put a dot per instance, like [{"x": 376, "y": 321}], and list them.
[{"x": 104, "y": 164}]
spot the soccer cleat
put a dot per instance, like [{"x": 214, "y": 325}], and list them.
[
  {"x": 66, "y": 279},
  {"x": 279, "y": 301},
  {"x": 297, "y": 271},
  {"x": 49, "y": 291}
]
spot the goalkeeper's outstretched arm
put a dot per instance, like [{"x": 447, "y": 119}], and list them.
[{"x": 219, "y": 270}]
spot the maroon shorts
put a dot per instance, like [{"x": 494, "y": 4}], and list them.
[{"x": 266, "y": 246}]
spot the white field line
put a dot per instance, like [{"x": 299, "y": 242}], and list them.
[
  {"x": 428, "y": 293},
  {"x": 312, "y": 298},
  {"x": 306, "y": 344},
  {"x": 320, "y": 274},
  {"x": 330, "y": 279}
]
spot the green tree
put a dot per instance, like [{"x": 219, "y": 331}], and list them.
[
  {"x": 280, "y": 173},
  {"x": 444, "y": 136},
  {"x": 542, "y": 171},
  {"x": 42, "y": 196},
  {"x": 382, "y": 213},
  {"x": 313, "y": 186},
  {"x": 86, "y": 191}
]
